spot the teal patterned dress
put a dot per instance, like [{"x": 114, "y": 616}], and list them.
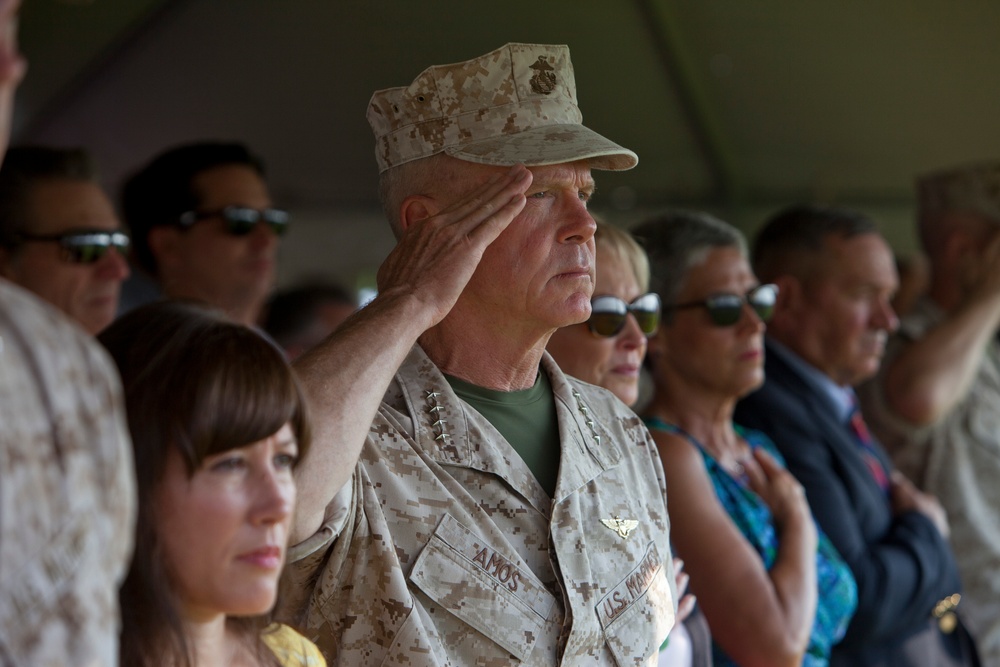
[{"x": 838, "y": 594}]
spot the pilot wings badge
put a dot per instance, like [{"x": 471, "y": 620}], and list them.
[{"x": 623, "y": 527}]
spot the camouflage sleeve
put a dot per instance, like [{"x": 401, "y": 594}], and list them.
[
  {"x": 116, "y": 476},
  {"x": 334, "y": 519},
  {"x": 67, "y": 490},
  {"x": 307, "y": 559}
]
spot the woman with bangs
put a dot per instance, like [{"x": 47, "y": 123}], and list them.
[
  {"x": 773, "y": 588},
  {"x": 218, "y": 424}
]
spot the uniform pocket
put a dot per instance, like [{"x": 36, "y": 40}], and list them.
[
  {"x": 486, "y": 587},
  {"x": 638, "y": 612}
]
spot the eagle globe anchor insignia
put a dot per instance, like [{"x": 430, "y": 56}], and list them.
[{"x": 543, "y": 81}]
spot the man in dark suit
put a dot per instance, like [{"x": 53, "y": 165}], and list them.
[{"x": 836, "y": 275}]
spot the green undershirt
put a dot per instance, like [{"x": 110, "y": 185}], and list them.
[{"x": 526, "y": 418}]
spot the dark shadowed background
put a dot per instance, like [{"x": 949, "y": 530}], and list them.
[{"x": 732, "y": 106}]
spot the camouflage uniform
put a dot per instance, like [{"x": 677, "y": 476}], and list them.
[
  {"x": 957, "y": 459},
  {"x": 67, "y": 490},
  {"x": 444, "y": 550}
]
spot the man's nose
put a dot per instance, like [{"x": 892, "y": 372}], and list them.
[
  {"x": 578, "y": 224},
  {"x": 884, "y": 316}
]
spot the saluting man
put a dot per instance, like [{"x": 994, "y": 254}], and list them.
[{"x": 465, "y": 502}]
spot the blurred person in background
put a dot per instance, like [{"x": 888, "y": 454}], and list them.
[
  {"x": 204, "y": 227},
  {"x": 298, "y": 318},
  {"x": 774, "y": 590},
  {"x": 59, "y": 235},
  {"x": 935, "y": 402},
  {"x": 836, "y": 275},
  {"x": 914, "y": 279}
]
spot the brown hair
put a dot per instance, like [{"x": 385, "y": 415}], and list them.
[
  {"x": 23, "y": 168},
  {"x": 161, "y": 191},
  {"x": 202, "y": 384},
  {"x": 793, "y": 239}
]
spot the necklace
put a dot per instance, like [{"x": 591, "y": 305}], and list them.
[
  {"x": 732, "y": 463},
  {"x": 737, "y": 469}
]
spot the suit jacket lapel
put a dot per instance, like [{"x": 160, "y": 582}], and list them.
[{"x": 844, "y": 448}]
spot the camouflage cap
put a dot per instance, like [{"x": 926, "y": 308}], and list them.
[
  {"x": 972, "y": 187},
  {"x": 515, "y": 104}
]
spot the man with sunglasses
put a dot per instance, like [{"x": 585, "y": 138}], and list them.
[
  {"x": 59, "y": 235},
  {"x": 204, "y": 227},
  {"x": 832, "y": 318},
  {"x": 465, "y": 502}
]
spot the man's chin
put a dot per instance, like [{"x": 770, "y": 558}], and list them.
[
  {"x": 578, "y": 313},
  {"x": 865, "y": 371}
]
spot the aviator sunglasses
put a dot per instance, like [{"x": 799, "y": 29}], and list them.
[
  {"x": 241, "y": 220},
  {"x": 725, "y": 310},
  {"x": 608, "y": 313},
  {"x": 83, "y": 246}
]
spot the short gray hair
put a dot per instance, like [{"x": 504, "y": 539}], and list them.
[
  {"x": 418, "y": 177},
  {"x": 676, "y": 241}
]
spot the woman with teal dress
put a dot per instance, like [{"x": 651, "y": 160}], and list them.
[{"x": 774, "y": 590}]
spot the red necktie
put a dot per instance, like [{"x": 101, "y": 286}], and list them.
[{"x": 867, "y": 446}]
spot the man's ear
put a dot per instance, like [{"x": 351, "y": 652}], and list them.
[
  {"x": 416, "y": 208},
  {"x": 788, "y": 304}
]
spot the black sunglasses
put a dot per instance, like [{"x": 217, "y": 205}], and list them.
[
  {"x": 608, "y": 313},
  {"x": 726, "y": 309},
  {"x": 241, "y": 220},
  {"x": 83, "y": 246}
]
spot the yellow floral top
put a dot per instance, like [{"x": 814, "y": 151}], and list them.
[{"x": 292, "y": 649}]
